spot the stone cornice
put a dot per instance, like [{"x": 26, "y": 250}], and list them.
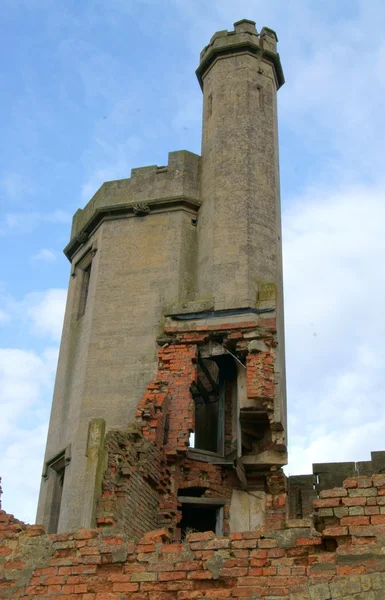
[
  {"x": 236, "y": 48},
  {"x": 124, "y": 211}
]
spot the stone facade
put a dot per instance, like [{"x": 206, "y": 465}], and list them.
[{"x": 173, "y": 333}]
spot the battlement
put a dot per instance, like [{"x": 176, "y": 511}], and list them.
[
  {"x": 245, "y": 37},
  {"x": 177, "y": 181}
]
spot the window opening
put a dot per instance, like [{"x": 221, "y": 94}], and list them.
[
  {"x": 85, "y": 285},
  {"x": 209, "y": 393},
  {"x": 198, "y": 518},
  {"x": 56, "y": 471},
  {"x": 210, "y": 105}
]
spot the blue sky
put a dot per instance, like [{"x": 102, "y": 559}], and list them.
[{"x": 94, "y": 88}]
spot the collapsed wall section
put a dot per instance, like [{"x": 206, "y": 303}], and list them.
[{"x": 205, "y": 451}]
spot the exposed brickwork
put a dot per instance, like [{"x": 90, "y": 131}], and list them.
[
  {"x": 148, "y": 463},
  {"x": 261, "y": 377},
  {"x": 290, "y": 563},
  {"x": 302, "y": 489},
  {"x": 134, "y": 478}
]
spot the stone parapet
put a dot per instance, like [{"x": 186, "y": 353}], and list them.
[{"x": 149, "y": 189}]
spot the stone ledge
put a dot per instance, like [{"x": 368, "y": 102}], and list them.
[{"x": 128, "y": 210}]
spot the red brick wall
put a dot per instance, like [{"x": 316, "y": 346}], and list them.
[
  {"x": 147, "y": 464},
  {"x": 294, "y": 562}
]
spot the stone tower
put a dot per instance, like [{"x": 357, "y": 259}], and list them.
[{"x": 169, "y": 407}]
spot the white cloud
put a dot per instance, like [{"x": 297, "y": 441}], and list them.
[
  {"x": 26, "y": 380},
  {"x": 45, "y": 312},
  {"x": 26, "y": 383},
  {"x": 21, "y": 466},
  {"x": 44, "y": 255},
  {"x": 23, "y": 375},
  {"x": 334, "y": 282}
]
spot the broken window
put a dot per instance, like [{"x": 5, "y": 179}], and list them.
[
  {"x": 197, "y": 517},
  {"x": 216, "y": 377},
  {"x": 199, "y": 513}
]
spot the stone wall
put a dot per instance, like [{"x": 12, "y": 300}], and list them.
[{"x": 341, "y": 557}]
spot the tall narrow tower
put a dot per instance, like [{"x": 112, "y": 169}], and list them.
[{"x": 173, "y": 332}]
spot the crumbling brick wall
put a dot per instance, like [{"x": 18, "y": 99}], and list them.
[
  {"x": 148, "y": 462},
  {"x": 294, "y": 562},
  {"x": 303, "y": 489},
  {"x": 132, "y": 483}
]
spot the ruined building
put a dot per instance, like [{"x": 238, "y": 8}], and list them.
[
  {"x": 173, "y": 332},
  {"x": 163, "y": 474}
]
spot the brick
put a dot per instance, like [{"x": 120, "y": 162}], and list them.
[
  {"x": 144, "y": 577},
  {"x": 326, "y": 512},
  {"x": 364, "y": 481},
  {"x": 246, "y": 592},
  {"x": 341, "y": 511},
  {"x": 359, "y": 531},
  {"x": 199, "y": 575},
  {"x": 377, "y": 520},
  {"x": 85, "y": 534},
  {"x": 372, "y": 510},
  {"x": 363, "y": 492},
  {"x": 315, "y": 541},
  {"x": 354, "y": 501},
  {"x": 334, "y": 493},
  {"x": 350, "y": 483},
  {"x": 355, "y": 511},
  {"x": 350, "y": 570},
  {"x": 327, "y": 503},
  {"x": 217, "y": 593},
  {"x": 173, "y": 575},
  {"x": 200, "y": 537},
  {"x": 244, "y": 544},
  {"x": 378, "y": 480},
  {"x": 234, "y": 572},
  {"x": 360, "y": 520},
  {"x": 335, "y": 531},
  {"x": 125, "y": 587},
  {"x": 275, "y": 553},
  {"x": 267, "y": 543}
]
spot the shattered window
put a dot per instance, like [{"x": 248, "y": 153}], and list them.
[{"x": 209, "y": 393}]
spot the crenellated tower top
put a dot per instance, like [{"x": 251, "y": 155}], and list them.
[{"x": 245, "y": 37}]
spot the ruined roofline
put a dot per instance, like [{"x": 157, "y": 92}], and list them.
[{"x": 244, "y": 38}]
